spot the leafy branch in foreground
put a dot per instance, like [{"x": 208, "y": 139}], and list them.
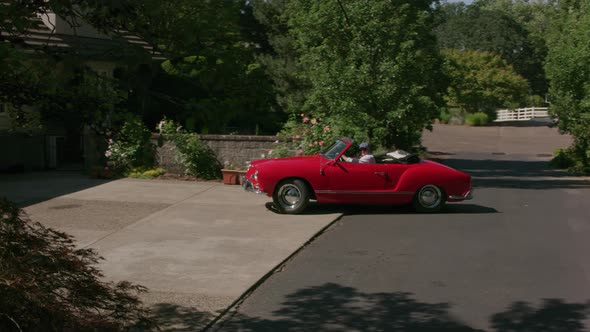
[{"x": 49, "y": 285}]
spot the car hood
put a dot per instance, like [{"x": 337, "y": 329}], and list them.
[{"x": 303, "y": 159}]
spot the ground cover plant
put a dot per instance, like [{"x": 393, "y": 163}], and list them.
[{"x": 47, "y": 284}]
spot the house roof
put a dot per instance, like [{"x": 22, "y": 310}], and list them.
[{"x": 50, "y": 32}]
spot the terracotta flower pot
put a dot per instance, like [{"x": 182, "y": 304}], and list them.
[
  {"x": 230, "y": 176},
  {"x": 242, "y": 177}
]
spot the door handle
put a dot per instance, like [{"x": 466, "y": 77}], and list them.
[{"x": 384, "y": 175}]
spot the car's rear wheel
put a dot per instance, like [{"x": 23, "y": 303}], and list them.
[
  {"x": 291, "y": 196},
  {"x": 429, "y": 199}
]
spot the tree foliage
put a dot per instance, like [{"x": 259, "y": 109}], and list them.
[
  {"x": 280, "y": 57},
  {"x": 514, "y": 30},
  {"x": 568, "y": 68},
  {"x": 483, "y": 81},
  {"x": 211, "y": 82},
  {"x": 228, "y": 90},
  {"x": 73, "y": 95},
  {"x": 373, "y": 66},
  {"x": 49, "y": 285}
]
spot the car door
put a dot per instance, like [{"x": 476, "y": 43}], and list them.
[
  {"x": 354, "y": 183},
  {"x": 391, "y": 172}
]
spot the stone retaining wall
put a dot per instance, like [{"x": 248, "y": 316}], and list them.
[{"x": 235, "y": 149}]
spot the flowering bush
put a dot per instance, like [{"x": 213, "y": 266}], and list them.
[
  {"x": 130, "y": 147},
  {"x": 197, "y": 158},
  {"x": 309, "y": 133}
]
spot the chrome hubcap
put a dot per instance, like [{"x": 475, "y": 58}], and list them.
[
  {"x": 289, "y": 195},
  {"x": 430, "y": 196}
]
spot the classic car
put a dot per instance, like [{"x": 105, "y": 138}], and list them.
[{"x": 396, "y": 178}]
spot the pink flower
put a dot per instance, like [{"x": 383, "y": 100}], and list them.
[
  {"x": 299, "y": 152},
  {"x": 297, "y": 137},
  {"x": 305, "y": 120},
  {"x": 302, "y": 115},
  {"x": 321, "y": 143},
  {"x": 327, "y": 128},
  {"x": 313, "y": 121}
]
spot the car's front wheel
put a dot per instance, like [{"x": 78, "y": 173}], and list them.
[
  {"x": 291, "y": 196},
  {"x": 429, "y": 199}
]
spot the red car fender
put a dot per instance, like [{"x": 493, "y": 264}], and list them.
[
  {"x": 451, "y": 181},
  {"x": 272, "y": 172}
]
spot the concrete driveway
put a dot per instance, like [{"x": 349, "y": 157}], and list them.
[{"x": 197, "y": 246}]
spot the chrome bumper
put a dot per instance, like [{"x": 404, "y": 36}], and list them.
[
  {"x": 248, "y": 186},
  {"x": 466, "y": 197}
]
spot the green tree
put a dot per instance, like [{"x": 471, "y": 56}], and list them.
[
  {"x": 280, "y": 57},
  {"x": 483, "y": 81},
  {"x": 50, "y": 83},
  {"x": 568, "y": 66},
  {"x": 212, "y": 82},
  {"x": 514, "y": 30},
  {"x": 374, "y": 67}
]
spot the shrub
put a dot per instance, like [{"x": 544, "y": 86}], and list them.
[
  {"x": 144, "y": 173},
  {"x": 130, "y": 146},
  {"x": 444, "y": 116},
  {"x": 46, "y": 284},
  {"x": 477, "y": 119},
  {"x": 569, "y": 159},
  {"x": 197, "y": 158}
]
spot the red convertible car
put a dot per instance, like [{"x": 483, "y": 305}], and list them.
[{"x": 396, "y": 178}]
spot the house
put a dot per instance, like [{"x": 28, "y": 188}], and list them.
[{"x": 58, "y": 147}]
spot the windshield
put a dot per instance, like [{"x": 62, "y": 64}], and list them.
[{"x": 335, "y": 149}]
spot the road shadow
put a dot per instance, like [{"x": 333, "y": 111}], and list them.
[
  {"x": 30, "y": 188},
  {"x": 540, "y": 184},
  {"x": 363, "y": 209},
  {"x": 333, "y": 307},
  {"x": 172, "y": 317},
  {"x": 554, "y": 315},
  {"x": 516, "y": 174},
  {"x": 540, "y": 122},
  {"x": 491, "y": 168}
]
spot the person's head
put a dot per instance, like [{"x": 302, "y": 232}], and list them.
[{"x": 364, "y": 147}]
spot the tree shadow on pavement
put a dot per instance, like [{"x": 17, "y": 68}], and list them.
[
  {"x": 554, "y": 315},
  {"x": 516, "y": 174},
  {"x": 172, "y": 317},
  {"x": 332, "y": 307},
  {"x": 30, "y": 188},
  {"x": 491, "y": 168}
]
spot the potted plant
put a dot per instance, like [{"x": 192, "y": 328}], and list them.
[{"x": 231, "y": 174}]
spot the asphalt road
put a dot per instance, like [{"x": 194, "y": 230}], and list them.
[{"x": 516, "y": 258}]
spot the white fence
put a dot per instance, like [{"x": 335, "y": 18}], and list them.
[{"x": 523, "y": 114}]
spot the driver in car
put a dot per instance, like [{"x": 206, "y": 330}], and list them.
[{"x": 365, "y": 158}]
